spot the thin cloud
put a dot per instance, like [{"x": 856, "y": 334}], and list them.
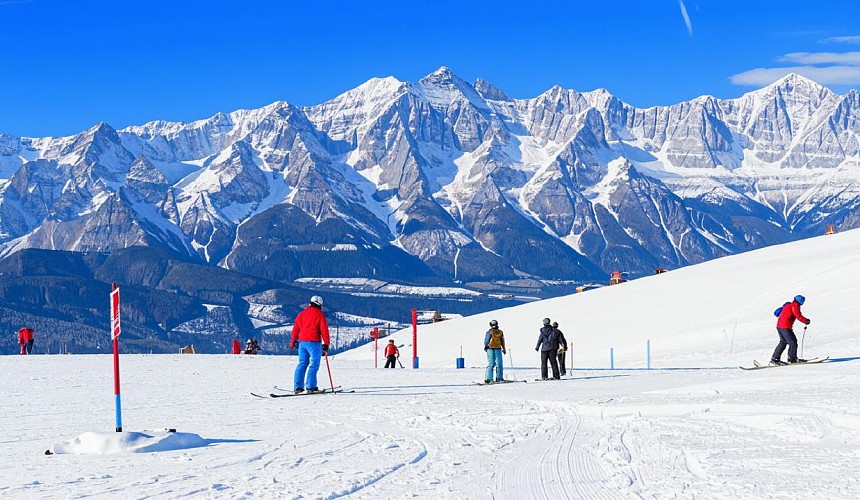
[
  {"x": 831, "y": 75},
  {"x": 855, "y": 39},
  {"x": 839, "y": 58},
  {"x": 686, "y": 17}
]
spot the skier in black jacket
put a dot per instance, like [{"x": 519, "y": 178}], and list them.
[
  {"x": 548, "y": 346},
  {"x": 562, "y": 348}
]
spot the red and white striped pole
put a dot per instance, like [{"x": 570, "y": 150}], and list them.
[
  {"x": 115, "y": 331},
  {"x": 375, "y": 335}
]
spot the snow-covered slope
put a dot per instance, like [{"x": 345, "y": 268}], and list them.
[
  {"x": 707, "y": 431},
  {"x": 697, "y": 316}
]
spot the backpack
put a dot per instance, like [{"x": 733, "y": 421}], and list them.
[{"x": 778, "y": 310}]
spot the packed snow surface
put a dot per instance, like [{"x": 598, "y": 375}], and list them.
[{"x": 694, "y": 426}]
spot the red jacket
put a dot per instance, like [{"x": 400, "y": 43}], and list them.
[
  {"x": 310, "y": 326},
  {"x": 22, "y": 336},
  {"x": 391, "y": 350},
  {"x": 29, "y": 332},
  {"x": 789, "y": 313}
]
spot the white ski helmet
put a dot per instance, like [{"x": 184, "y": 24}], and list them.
[{"x": 316, "y": 299}]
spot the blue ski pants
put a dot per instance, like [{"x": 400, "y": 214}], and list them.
[
  {"x": 494, "y": 359},
  {"x": 309, "y": 362}
]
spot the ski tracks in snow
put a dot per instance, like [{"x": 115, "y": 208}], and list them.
[
  {"x": 583, "y": 453},
  {"x": 562, "y": 461}
]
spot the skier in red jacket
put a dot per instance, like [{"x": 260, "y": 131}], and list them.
[
  {"x": 29, "y": 346},
  {"x": 391, "y": 354},
  {"x": 311, "y": 331},
  {"x": 22, "y": 340},
  {"x": 785, "y": 327}
]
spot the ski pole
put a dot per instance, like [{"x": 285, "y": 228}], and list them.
[
  {"x": 329, "y": 371},
  {"x": 802, "y": 340},
  {"x": 511, "y": 358},
  {"x": 399, "y": 363}
]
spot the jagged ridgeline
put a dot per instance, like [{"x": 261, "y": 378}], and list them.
[{"x": 433, "y": 182}]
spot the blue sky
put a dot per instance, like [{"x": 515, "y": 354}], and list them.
[{"x": 67, "y": 65}]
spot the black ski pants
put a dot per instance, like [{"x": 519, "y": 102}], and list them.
[
  {"x": 390, "y": 360},
  {"x": 561, "y": 366},
  {"x": 552, "y": 357},
  {"x": 786, "y": 337}
]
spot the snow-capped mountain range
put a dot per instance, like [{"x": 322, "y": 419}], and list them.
[{"x": 445, "y": 178}]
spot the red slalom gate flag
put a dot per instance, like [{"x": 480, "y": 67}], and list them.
[{"x": 114, "y": 314}]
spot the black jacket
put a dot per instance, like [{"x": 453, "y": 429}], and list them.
[
  {"x": 561, "y": 340},
  {"x": 549, "y": 338}
]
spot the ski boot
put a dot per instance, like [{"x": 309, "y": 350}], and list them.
[{"x": 777, "y": 362}]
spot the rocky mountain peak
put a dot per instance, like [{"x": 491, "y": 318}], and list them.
[
  {"x": 143, "y": 170},
  {"x": 442, "y": 87},
  {"x": 795, "y": 87},
  {"x": 489, "y": 91}
]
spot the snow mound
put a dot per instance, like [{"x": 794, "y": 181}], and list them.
[{"x": 106, "y": 443}]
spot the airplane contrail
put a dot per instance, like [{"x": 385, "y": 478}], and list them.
[{"x": 686, "y": 17}]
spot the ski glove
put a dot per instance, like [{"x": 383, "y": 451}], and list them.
[
  {"x": 486, "y": 348},
  {"x": 808, "y": 321},
  {"x": 292, "y": 345},
  {"x": 325, "y": 348}
]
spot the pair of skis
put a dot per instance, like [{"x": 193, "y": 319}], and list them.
[
  {"x": 337, "y": 390},
  {"x": 499, "y": 382},
  {"x": 759, "y": 366}
]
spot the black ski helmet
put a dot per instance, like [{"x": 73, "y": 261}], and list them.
[
  {"x": 494, "y": 323},
  {"x": 546, "y": 322}
]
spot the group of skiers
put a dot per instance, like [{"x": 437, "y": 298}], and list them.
[
  {"x": 551, "y": 344},
  {"x": 310, "y": 334}
]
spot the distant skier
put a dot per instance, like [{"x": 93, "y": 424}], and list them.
[
  {"x": 22, "y": 340},
  {"x": 251, "y": 346},
  {"x": 494, "y": 346},
  {"x": 391, "y": 354},
  {"x": 311, "y": 331},
  {"x": 29, "y": 332},
  {"x": 785, "y": 327},
  {"x": 547, "y": 344},
  {"x": 562, "y": 348}
]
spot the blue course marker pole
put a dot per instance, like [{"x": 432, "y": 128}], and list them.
[
  {"x": 648, "y": 352},
  {"x": 611, "y": 358}
]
